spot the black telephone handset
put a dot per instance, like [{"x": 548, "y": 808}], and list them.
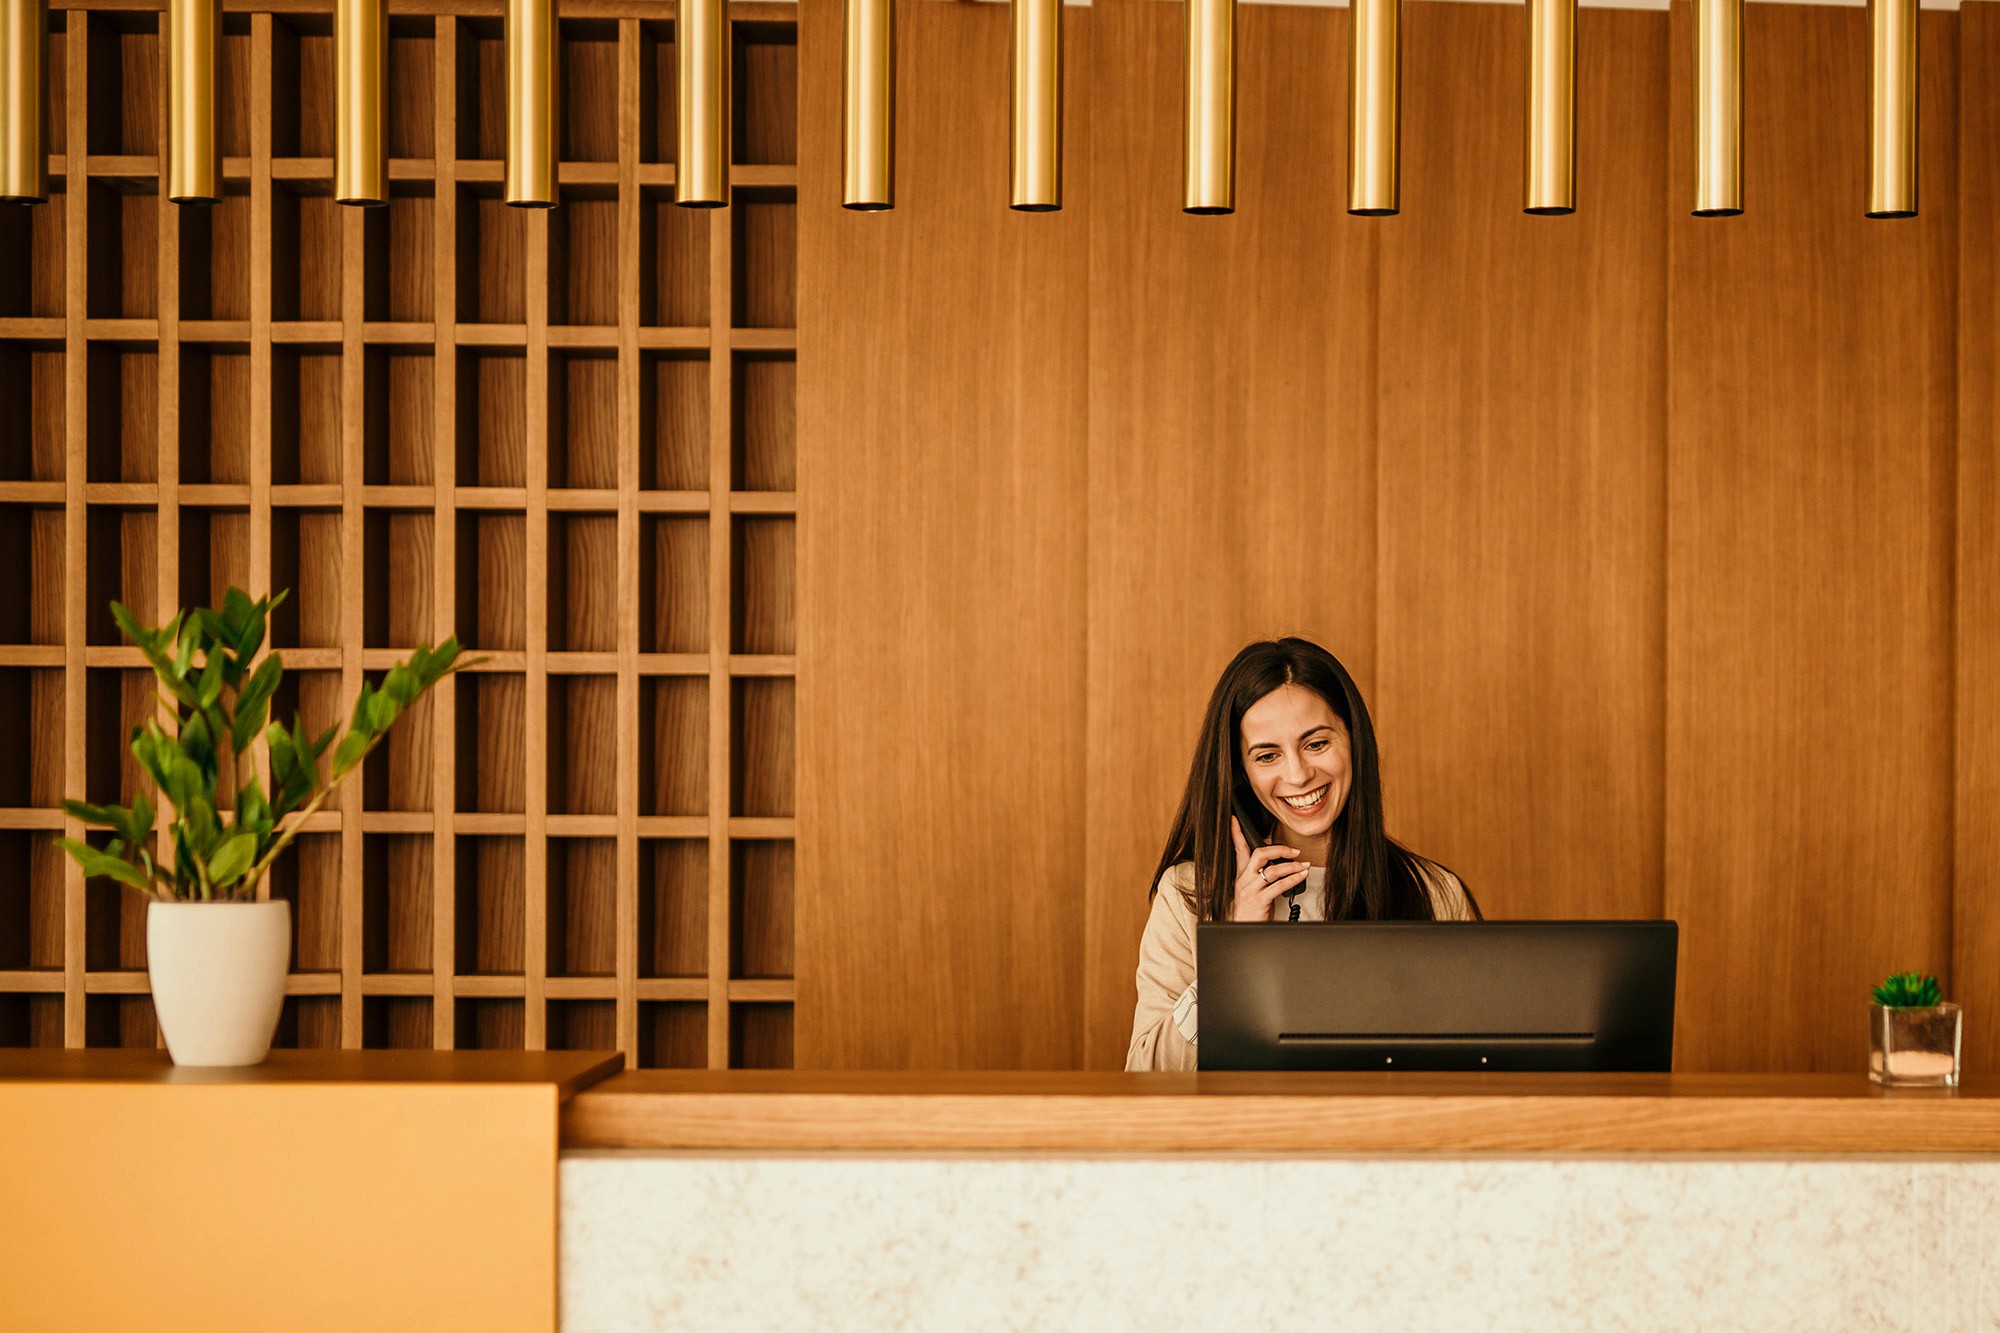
[{"x": 1254, "y": 835}]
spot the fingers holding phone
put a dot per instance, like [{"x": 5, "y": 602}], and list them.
[{"x": 1263, "y": 875}]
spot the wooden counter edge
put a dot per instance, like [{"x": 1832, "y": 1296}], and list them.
[
  {"x": 1051, "y": 1122},
  {"x": 568, "y": 1072}
]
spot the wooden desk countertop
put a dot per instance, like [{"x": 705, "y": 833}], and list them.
[
  {"x": 570, "y": 1071},
  {"x": 1285, "y": 1114}
]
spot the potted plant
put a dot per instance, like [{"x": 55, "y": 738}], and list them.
[
  {"x": 215, "y": 954},
  {"x": 1913, "y": 1036}
]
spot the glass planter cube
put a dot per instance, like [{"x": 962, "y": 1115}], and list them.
[{"x": 1914, "y": 1047}]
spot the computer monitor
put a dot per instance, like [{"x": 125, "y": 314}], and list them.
[{"x": 1463, "y": 995}]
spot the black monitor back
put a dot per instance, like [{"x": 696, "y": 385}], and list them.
[{"x": 1479, "y": 995}]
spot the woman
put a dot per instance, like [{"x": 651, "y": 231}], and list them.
[{"x": 1281, "y": 820}]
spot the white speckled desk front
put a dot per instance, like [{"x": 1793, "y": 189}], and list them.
[{"x": 694, "y": 1243}]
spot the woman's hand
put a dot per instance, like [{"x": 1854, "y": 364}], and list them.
[{"x": 1263, "y": 876}]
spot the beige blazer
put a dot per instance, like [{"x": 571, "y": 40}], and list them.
[{"x": 1163, "y": 1024}]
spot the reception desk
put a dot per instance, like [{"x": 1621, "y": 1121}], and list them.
[
  {"x": 531, "y": 1191},
  {"x": 320, "y": 1190},
  {"x": 1114, "y": 1201}
]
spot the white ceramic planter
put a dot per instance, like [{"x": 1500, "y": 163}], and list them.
[{"x": 218, "y": 974}]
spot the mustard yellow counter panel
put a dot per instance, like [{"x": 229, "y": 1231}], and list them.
[{"x": 324, "y": 1190}]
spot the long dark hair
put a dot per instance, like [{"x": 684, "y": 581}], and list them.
[{"x": 1369, "y": 876}]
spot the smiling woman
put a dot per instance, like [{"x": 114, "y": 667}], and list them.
[{"x": 1283, "y": 802}]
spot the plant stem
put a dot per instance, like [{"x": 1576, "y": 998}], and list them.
[
  {"x": 299, "y": 817},
  {"x": 298, "y": 820}
]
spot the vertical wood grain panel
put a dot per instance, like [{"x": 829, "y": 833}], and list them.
[
  {"x": 445, "y": 748},
  {"x": 1975, "y": 927},
  {"x": 626, "y": 871},
  {"x": 1523, "y": 439},
  {"x": 1809, "y": 584},
  {"x": 76, "y": 586},
  {"x": 941, "y": 441},
  {"x": 1232, "y": 450}
]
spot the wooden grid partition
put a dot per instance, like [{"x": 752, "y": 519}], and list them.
[{"x": 566, "y": 436}]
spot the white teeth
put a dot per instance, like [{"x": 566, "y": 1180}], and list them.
[{"x": 1306, "y": 802}]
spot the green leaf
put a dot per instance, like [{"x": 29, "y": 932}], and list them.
[
  {"x": 232, "y": 858},
  {"x": 129, "y": 625},
  {"x": 294, "y": 780},
  {"x": 359, "y": 720},
  {"x": 203, "y": 829},
  {"x": 1903, "y": 990},
  {"x": 197, "y": 742},
  {"x": 213, "y": 628},
  {"x": 186, "y": 785},
  {"x": 95, "y": 863},
  {"x": 252, "y": 702},
  {"x": 154, "y": 749},
  {"x": 237, "y": 609},
  {"x": 404, "y": 684},
  {"x": 210, "y": 687},
  {"x": 153, "y": 644},
  {"x": 251, "y": 637},
  {"x": 252, "y": 808},
  {"x": 188, "y": 641},
  {"x": 138, "y": 828},
  {"x": 110, "y": 816},
  {"x": 353, "y": 746}
]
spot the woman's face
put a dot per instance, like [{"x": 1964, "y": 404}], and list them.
[{"x": 1295, "y": 751}]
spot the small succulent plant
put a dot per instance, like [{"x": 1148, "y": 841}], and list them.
[{"x": 1908, "y": 990}]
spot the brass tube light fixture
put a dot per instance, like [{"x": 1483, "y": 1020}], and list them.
[
  {"x": 1374, "y": 95},
  {"x": 361, "y": 54},
  {"x": 868, "y": 107},
  {"x": 1892, "y": 109},
  {"x": 24, "y": 101},
  {"x": 194, "y": 164},
  {"x": 531, "y": 103},
  {"x": 1208, "y": 160},
  {"x": 701, "y": 53},
  {"x": 1550, "y": 165},
  {"x": 1718, "y": 108},
  {"x": 1037, "y": 106}
]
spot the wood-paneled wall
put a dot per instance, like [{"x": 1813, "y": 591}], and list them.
[
  {"x": 942, "y": 595},
  {"x": 1662, "y": 547},
  {"x": 1811, "y": 430},
  {"x": 1975, "y": 901},
  {"x": 1232, "y": 497}
]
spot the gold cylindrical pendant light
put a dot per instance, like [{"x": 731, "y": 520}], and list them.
[
  {"x": 194, "y": 162},
  {"x": 1718, "y": 108},
  {"x": 701, "y": 50},
  {"x": 1892, "y": 109},
  {"x": 24, "y": 101},
  {"x": 1550, "y": 165},
  {"x": 531, "y": 103},
  {"x": 1374, "y": 96},
  {"x": 1208, "y": 145},
  {"x": 1038, "y": 77},
  {"x": 361, "y": 81},
  {"x": 868, "y": 106}
]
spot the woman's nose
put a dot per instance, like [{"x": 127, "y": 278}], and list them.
[{"x": 1296, "y": 772}]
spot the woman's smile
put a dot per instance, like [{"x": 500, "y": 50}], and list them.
[{"x": 1310, "y": 802}]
